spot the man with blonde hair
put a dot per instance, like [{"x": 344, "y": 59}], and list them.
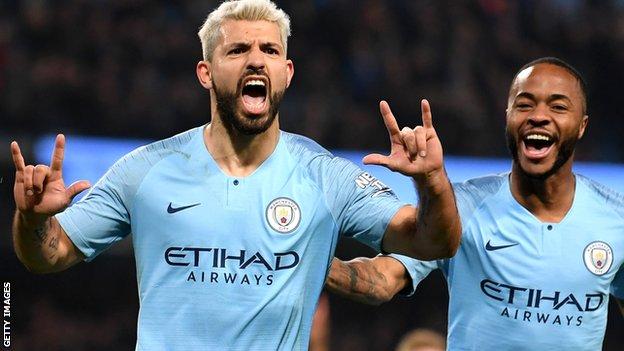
[{"x": 235, "y": 223}]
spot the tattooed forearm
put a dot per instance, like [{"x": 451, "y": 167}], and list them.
[
  {"x": 41, "y": 233},
  {"x": 358, "y": 280},
  {"x": 39, "y": 245},
  {"x": 353, "y": 278}
]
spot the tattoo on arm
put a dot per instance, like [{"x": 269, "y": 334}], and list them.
[
  {"x": 353, "y": 278},
  {"x": 45, "y": 240},
  {"x": 41, "y": 233}
]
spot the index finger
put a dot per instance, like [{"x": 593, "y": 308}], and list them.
[
  {"x": 426, "y": 114},
  {"x": 18, "y": 160},
  {"x": 56, "y": 164},
  {"x": 388, "y": 118}
]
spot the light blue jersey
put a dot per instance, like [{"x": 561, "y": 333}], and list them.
[
  {"x": 517, "y": 283},
  {"x": 228, "y": 263}
]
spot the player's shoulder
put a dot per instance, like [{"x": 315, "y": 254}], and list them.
[
  {"x": 604, "y": 194},
  {"x": 483, "y": 186},
  {"x": 139, "y": 161},
  {"x": 304, "y": 148},
  {"x": 316, "y": 161}
]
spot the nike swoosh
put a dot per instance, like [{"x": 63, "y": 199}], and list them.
[
  {"x": 171, "y": 209},
  {"x": 489, "y": 247}
]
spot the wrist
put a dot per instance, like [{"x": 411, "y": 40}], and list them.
[
  {"x": 31, "y": 219},
  {"x": 433, "y": 182}
]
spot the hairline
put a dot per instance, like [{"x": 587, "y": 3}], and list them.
[{"x": 557, "y": 63}]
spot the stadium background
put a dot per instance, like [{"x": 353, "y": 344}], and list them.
[{"x": 125, "y": 69}]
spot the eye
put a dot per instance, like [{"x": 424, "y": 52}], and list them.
[
  {"x": 559, "y": 108},
  {"x": 523, "y": 106},
  {"x": 236, "y": 51},
  {"x": 271, "y": 51}
]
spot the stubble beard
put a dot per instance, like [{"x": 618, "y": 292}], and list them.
[
  {"x": 234, "y": 119},
  {"x": 564, "y": 153}
]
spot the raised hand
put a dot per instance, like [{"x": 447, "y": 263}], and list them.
[
  {"x": 413, "y": 152},
  {"x": 39, "y": 190}
]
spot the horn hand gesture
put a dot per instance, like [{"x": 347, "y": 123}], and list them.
[
  {"x": 414, "y": 152},
  {"x": 39, "y": 190}
]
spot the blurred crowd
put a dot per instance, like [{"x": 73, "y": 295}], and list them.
[{"x": 126, "y": 67}]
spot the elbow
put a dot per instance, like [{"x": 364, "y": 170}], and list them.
[
  {"x": 36, "y": 268},
  {"x": 436, "y": 251},
  {"x": 382, "y": 298}
]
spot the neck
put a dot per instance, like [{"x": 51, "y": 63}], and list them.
[
  {"x": 238, "y": 154},
  {"x": 547, "y": 199}
]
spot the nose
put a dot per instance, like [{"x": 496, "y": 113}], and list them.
[
  {"x": 540, "y": 116},
  {"x": 255, "y": 60}
]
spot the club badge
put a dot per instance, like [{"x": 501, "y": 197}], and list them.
[
  {"x": 598, "y": 257},
  {"x": 283, "y": 215}
]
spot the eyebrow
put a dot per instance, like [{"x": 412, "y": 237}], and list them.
[
  {"x": 248, "y": 44},
  {"x": 551, "y": 97}
]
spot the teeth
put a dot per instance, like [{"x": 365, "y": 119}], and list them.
[
  {"x": 254, "y": 82},
  {"x": 537, "y": 137}
]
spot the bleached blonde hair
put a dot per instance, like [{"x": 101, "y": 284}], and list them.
[{"x": 242, "y": 10}]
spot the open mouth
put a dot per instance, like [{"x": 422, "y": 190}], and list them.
[
  {"x": 537, "y": 146},
  {"x": 254, "y": 95}
]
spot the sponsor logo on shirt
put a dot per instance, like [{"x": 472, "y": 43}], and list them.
[
  {"x": 283, "y": 215},
  {"x": 220, "y": 265},
  {"x": 598, "y": 257},
  {"x": 540, "y": 306},
  {"x": 365, "y": 180}
]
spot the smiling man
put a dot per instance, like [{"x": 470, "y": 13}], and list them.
[
  {"x": 542, "y": 247},
  {"x": 234, "y": 224}
]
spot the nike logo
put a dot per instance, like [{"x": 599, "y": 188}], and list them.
[
  {"x": 490, "y": 247},
  {"x": 172, "y": 209}
]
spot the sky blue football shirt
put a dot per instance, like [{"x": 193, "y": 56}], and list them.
[
  {"x": 228, "y": 263},
  {"x": 517, "y": 283}
]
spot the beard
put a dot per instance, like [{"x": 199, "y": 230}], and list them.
[
  {"x": 565, "y": 152},
  {"x": 234, "y": 119}
]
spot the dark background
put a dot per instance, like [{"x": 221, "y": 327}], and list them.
[{"x": 126, "y": 68}]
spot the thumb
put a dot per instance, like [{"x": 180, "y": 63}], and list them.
[
  {"x": 76, "y": 188},
  {"x": 375, "y": 159}
]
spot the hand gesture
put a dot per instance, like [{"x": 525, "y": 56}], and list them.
[
  {"x": 413, "y": 152},
  {"x": 39, "y": 190}
]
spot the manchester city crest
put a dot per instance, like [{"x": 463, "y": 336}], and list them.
[
  {"x": 283, "y": 215},
  {"x": 598, "y": 257}
]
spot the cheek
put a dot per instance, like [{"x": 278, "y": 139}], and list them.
[{"x": 281, "y": 76}]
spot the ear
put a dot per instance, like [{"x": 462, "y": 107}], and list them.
[
  {"x": 584, "y": 122},
  {"x": 290, "y": 71},
  {"x": 204, "y": 75}
]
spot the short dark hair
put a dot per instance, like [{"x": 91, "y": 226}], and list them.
[{"x": 561, "y": 63}]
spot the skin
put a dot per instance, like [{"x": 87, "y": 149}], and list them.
[
  {"x": 250, "y": 49},
  {"x": 544, "y": 98},
  {"x": 39, "y": 191},
  {"x": 243, "y": 46}
]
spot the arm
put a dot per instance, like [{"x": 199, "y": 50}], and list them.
[
  {"x": 433, "y": 230},
  {"x": 38, "y": 239},
  {"x": 368, "y": 280}
]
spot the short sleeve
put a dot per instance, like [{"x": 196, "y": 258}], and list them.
[
  {"x": 360, "y": 203},
  {"x": 102, "y": 217},
  {"x": 417, "y": 270},
  {"x": 617, "y": 285}
]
